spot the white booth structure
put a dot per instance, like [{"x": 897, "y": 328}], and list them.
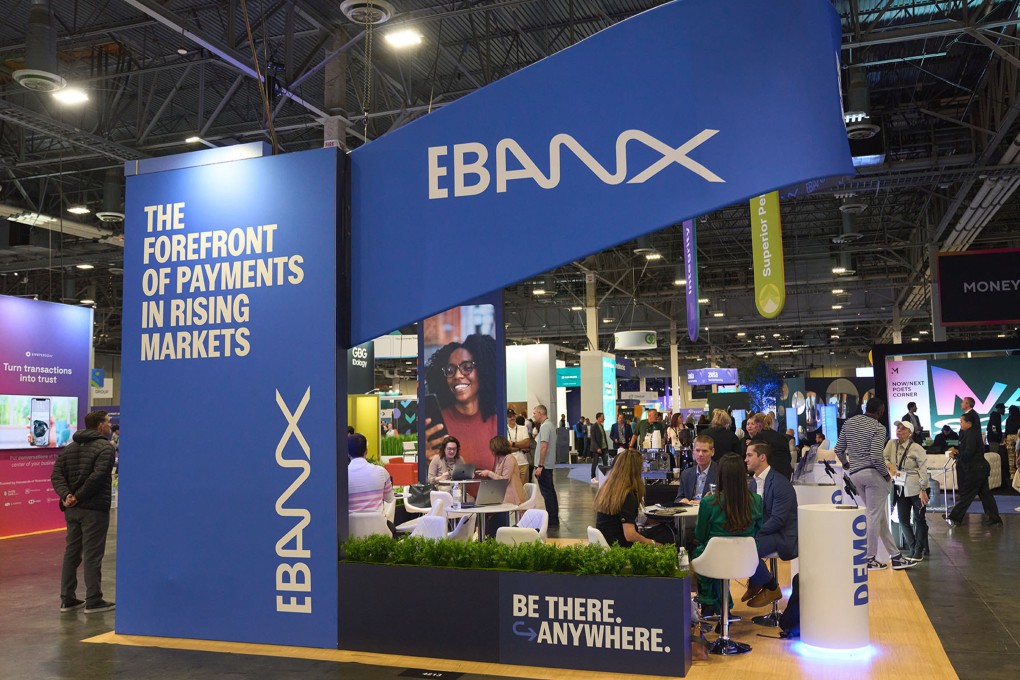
[{"x": 833, "y": 576}]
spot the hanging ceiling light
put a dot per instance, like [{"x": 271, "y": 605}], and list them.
[{"x": 40, "y": 72}]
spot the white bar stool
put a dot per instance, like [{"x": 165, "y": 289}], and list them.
[{"x": 726, "y": 558}]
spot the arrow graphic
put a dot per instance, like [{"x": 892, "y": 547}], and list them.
[{"x": 520, "y": 631}]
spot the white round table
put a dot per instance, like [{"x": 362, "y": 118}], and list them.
[{"x": 481, "y": 511}]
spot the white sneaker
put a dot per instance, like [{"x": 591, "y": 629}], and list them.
[{"x": 594, "y": 480}]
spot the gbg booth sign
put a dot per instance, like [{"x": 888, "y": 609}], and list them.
[{"x": 245, "y": 279}]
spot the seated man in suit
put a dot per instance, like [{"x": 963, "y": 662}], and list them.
[
  {"x": 778, "y": 532},
  {"x": 696, "y": 480}
]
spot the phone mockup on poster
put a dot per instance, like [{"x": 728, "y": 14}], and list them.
[
  {"x": 40, "y": 421},
  {"x": 435, "y": 414}
]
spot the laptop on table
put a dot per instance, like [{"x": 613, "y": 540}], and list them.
[
  {"x": 489, "y": 493},
  {"x": 462, "y": 471}
]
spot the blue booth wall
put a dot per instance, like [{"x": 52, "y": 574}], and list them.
[{"x": 228, "y": 522}]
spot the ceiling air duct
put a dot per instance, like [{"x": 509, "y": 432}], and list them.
[
  {"x": 367, "y": 11},
  {"x": 858, "y": 116},
  {"x": 40, "y": 72},
  {"x": 848, "y": 234},
  {"x": 113, "y": 201},
  {"x": 644, "y": 246},
  {"x": 851, "y": 204}
]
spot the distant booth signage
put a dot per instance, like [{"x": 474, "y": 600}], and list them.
[
  {"x": 246, "y": 279},
  {"x": 712, "y": 376},
  {"x": 980, "y": 287},
  {"x": 44, "y": 388}
]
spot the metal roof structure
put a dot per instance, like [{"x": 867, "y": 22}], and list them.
[{"x": 940, "y": 78}]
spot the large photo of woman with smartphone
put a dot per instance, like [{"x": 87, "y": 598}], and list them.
[{"x": 461, "y": 381}]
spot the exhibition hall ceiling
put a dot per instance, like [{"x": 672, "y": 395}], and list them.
[{"x": 940, "y": 79}]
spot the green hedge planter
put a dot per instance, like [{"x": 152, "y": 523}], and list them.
[{"x": 583, "y": 607}]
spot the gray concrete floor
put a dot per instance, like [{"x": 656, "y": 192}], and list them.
[{"x": 969, "y": 590}]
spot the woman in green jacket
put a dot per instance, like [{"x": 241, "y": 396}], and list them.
[{"x": 731, "y": 511}]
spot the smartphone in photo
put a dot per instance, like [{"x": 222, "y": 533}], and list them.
[
  {"x": 40, "y": 421},
  {"x": 435, "y": 414}
]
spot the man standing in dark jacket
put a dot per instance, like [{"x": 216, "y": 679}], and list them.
[
  {"x": 82, "y": 477},
  {"x": 759, "y": 431}
]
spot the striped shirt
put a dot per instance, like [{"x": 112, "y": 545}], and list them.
[
  {"x": 368, "y": 486},
  {"x": 862, "y": 440}
]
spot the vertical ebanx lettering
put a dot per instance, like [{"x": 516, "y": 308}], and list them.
[
  {"x": 294, "y": 574},
  {"x": 860, "y": 567}
]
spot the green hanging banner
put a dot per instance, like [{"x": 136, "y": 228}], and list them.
[{"x": 767, "y": 246}]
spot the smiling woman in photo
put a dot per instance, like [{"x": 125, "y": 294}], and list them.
[{"x": 463, "y": 378}]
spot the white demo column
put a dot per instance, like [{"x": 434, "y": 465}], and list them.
[{"x": 832, "y": 540}]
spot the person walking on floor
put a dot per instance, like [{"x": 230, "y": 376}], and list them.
[
  {"x": 861, "y": 449},
  {"x": 909, "y": 464},
  {"x": 83, "y": 479},
  {"x": 599, "y": 445},
  {"x": 545, "y": 464},
  {"x": 970, "y": 461}
]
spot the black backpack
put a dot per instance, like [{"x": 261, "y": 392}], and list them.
[{"x": 789, "y": 620}]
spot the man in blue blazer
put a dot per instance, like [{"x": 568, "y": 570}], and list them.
[
  {"x": 620, "y": 433},
  {"x": 696, "y": 481},
  {"x": 778, "y": 532}
]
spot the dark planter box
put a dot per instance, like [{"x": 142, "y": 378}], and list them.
[{"x": 602, "y": 623}]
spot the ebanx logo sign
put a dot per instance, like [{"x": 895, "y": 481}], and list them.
[{"x": 472, "y": 172}]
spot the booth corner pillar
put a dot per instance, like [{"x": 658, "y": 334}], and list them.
[
  {"x": 537, "y": 363},
  {"x": 598, "y": 385},
  {"x": 591, "y": 311},
  {"x": 833, "y": 576}
]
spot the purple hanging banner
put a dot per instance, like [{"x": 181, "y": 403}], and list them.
[{"x": 691, "y": 272}]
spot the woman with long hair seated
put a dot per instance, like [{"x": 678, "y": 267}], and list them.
[
  {"x": 731, "y": 511},
  {"x": 618, "y": 502}
]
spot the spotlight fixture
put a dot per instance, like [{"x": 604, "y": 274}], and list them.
[
  {"x": 741, "y": 334},
  {"x": 79, "y": 210},
  {"x": 607, "y": 320},
  {"x": 838, "y": 291},
  {"x": 403, "y": 38},
  {"x": 653, "y": 256},
  {"x": 71, "y": 95},
  {"x": 718, "y": 315},
  {"x": 923, "y": 332},
  {"x": 576, "y": 308},
  {"x": 538, "y": 291},
  {"x": 837, "y": 307},
  {"x": 87, "y": 301},
  {"x": 679, "y": 282},
  {"x": 839, "y": 270},
  {"x": 84, "y": 265},
  {"x": 702, "y": 301}
]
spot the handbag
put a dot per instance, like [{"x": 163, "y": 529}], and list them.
[{"x": 420, "y": 495}]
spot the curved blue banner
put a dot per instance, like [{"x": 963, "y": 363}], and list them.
[{"x": 674, "y": 113}]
